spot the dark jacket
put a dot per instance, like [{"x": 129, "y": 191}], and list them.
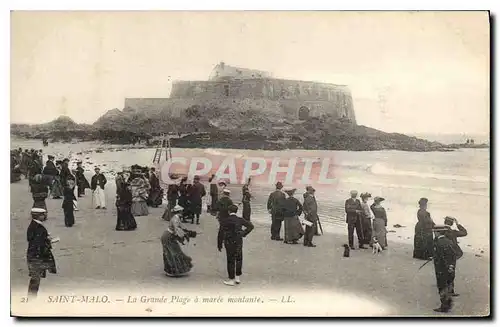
[
  {"x": 214, "y": 190},
  {"x": 172, "y": 192},
  {"x": 291, "y": 207},
  {"x": 154, "y": 182},
  {"x": 275, "y": 202},
  {"x": 231, "y": 231},
  {"x": 453, "y": 235},
  {"x": 379, "y": 212},
  {"x": 39, "y": 246},
  {"x": 310, "y": 207},
  {"x": 223, "y": 206},
  {"x": 196, "y": 192},
  {"x": 69, "y": 196},
  {"x": 351, "y": 205},
  {"x": 81, "y": 181},
  {"x": 98, "y": 180},
  {"x": 50, "y": 168},
  {"x": 445, "y": 259}
]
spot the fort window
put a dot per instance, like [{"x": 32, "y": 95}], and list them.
[{"x": 304, "y": 113}]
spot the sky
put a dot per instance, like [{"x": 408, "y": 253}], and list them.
[{"x": 419, "y": 72}]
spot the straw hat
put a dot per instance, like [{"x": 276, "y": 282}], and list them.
[{"x": 177, "y": 208}]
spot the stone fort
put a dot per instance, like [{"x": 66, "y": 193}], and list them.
[{"x": 249, "y": 89}]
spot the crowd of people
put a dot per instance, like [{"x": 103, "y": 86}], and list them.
[{"x": 138, "y": 188}]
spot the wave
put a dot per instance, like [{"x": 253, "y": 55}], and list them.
[
  {"x": 415, "y": 186},
  {"x": 381, "y": 169}
]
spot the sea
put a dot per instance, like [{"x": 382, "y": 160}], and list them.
[{"x": 457, "y": 183}]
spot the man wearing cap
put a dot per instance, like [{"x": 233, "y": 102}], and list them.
[
  {"x": 39, "y": 255},
  {"x": 453, "y": 235},
  {"x": 97, "y": 184},
  {"x": 445, "y": 260},
  {"x": 353, "y": 210},
  {"x": 310, "y": 207},
  {"x": 223, "y": 204},
  {"x": 275, "y": 208},
  {"x": 231, "y": 234}
]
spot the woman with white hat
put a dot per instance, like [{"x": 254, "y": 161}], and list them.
[
  {"x": 175, "y": 262},
  {"x": 39, "y": 255}
]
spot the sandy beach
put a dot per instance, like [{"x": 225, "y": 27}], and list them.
[{"x": 96, "y": 261}]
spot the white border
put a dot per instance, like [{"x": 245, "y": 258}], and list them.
[{"x": 181, "y": 5}]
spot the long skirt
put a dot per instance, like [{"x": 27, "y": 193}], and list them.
[
  {"x": 99, "y": 198},
  {"x": 39, "y": 203},
  {"x": 155, "y": 198},
  {"x": 380, "y": 232},
  {"x": 37, "y": 268},
  {"x": 69, "y": 215},
  {"x": 140, "y": 208},
  {"x": 423, "y": 244},
  {"x": 57, "y": 188},
  {"x": 293, "y": 229},
  {"x": 125, "y": 220},
  {"x": 247, "y": 211},
  {"x": 175, "y": 262},
  {"x": 366, "y": 226}
]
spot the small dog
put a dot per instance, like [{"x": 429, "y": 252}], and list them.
[
  {"x": 376, "y": 246},
  {"x": 347, "y": 251}
]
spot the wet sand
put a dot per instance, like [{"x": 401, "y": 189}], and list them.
[{"x": 288, "y": 280}]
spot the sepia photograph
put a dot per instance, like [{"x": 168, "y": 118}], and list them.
[{"x": 250, "y": 164}]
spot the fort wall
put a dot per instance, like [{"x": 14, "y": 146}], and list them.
[{"x": 284, "y": 97}]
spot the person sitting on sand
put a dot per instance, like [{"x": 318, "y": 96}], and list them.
[
  {"x": 175, "y": 262},
  {"x": 292, "y": 209},
  {"x": 423, "y": 240},
  {"x": 97, "y": 184},
  {"x": 231, "y": 235},
  {"x": 379, "y": 221}
]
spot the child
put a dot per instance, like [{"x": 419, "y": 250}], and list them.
[
  {"x": 67, "y": 205},
  {"x": 231, "y": 235}
]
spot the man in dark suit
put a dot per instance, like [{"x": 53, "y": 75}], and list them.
[
  {"x": 196, "y": 194},
  {"x": 310, "y": 207},
  {"x": 353, "y": 209},
  {"x": 39, "y": 255},
  {"x": 453, "y": 235},
  {"x": 445, "y": 259},
  {"x": 231, "y": 235},
  {"x": 274, "y": 207}
]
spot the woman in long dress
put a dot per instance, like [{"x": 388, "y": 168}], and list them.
[
  {"x": 40, "y": 191},
  {"x": 57, "y": 186},
  {"x": 68, "y": 205},
  {"x": 379, "y": 222},
  {"x": 125, "y": 220},
  {"x": 292, "y": 209},
  {"x": 175, "y": 262},
  {"x": 139, "y": 187},
  {"x": 423, "y": 241}
]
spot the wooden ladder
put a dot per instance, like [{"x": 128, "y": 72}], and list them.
[{"x": 157, "y": 157}]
